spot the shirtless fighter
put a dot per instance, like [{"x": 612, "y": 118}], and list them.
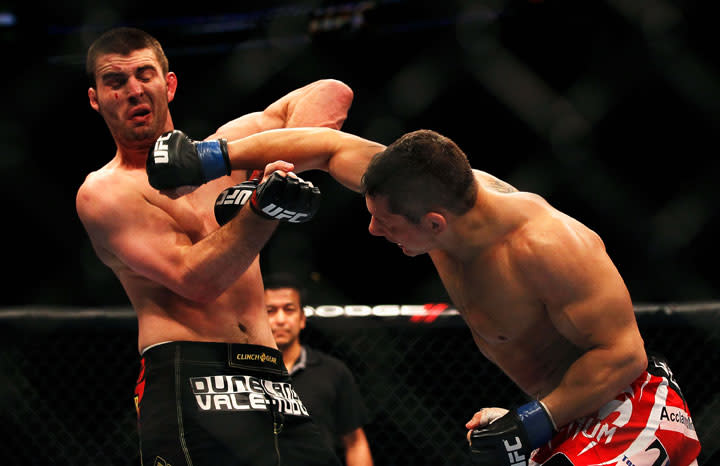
[
  {"x": 213, "y": 388},
  {"x": 537, "y": 288}
]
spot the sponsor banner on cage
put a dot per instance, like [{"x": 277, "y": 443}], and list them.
[
  {"x": 245, "y": 393},
  {"x": 425, "y": 313}
]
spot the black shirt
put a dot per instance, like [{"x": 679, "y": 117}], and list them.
[{"x": 328, "y": 390}]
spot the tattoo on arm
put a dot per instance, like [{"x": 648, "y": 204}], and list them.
[{"x": 501, "y": 186}]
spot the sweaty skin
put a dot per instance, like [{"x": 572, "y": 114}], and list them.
[
  {"x": 541, "y": 297},
  {"x": 186, "y": 278},
  {"x": 537, "y": 289}
]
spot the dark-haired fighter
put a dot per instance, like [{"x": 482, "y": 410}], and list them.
[
  {"x": 213, "y": 388},
  {"x": 540, "y": 294}
]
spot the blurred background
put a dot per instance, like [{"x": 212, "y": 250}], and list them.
[{"x": 610, "y": 110}]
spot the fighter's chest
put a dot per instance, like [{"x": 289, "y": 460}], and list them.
[
  {"x": 492, "y": 298},
  {"x": 193, "y": 213}
]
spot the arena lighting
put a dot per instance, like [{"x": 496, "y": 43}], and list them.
[
  {"x": 345, "y": 17},
  {"x": 223, "y": 33},
  {"x": 7, "y": 19}
]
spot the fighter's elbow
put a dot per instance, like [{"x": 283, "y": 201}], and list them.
[
  {"x": 339, "y": 89},
  {"x": 197, "y": 289},
  {"x": 200, "y": 294},
  {"x": 342, "y": 98},
  {"x": 633, "y": 362},
  {"x": 206, "y": 296}
]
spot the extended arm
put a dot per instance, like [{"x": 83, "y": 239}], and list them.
[
  {"x": 177, "y": 161},
  {"x": 343, "y": 155}
]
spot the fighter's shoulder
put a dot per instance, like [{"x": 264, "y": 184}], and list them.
[
  {"x": 105, "y": 189},
  {"x": 493, "y": 183},
  {"x": 550, "y": 235}
]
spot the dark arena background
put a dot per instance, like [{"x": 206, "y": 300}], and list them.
[{"x": 610, "y": 110}]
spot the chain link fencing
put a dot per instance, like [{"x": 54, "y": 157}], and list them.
[{"x": 68, "y": 378}]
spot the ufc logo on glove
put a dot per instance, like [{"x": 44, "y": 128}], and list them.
[
  {"x": 160, "y": 152},
  {"x": 285, "y": 198},
  {"x": 514, "y": 452},
  {"x": 278, "y": 213}
]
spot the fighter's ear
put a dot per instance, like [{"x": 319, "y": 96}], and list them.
[
  {"x": 434, "y": 222},
  {"x": 92, "y": 95},
  {"x": 172, "y": 82}
]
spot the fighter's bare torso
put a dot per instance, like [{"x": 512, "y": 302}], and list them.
[
  {"x": 508, "y": 319},
  {"x": 237, "y": 315}
]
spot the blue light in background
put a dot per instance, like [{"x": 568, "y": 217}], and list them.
[{"x": 7, "y": 19}]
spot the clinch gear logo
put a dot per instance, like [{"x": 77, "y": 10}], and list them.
[{"x": 256, "y": 357}]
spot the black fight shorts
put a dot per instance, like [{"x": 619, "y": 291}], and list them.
[{"x": 223, "y": 404}]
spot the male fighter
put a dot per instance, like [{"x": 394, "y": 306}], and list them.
[
  {"x": 540, "y": 294},
  {"x": 213, "y": 388}
]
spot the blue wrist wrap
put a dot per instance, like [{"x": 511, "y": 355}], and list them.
[
  {"x": 537, "y": 423},
  {"x": 214, "y": 164}
]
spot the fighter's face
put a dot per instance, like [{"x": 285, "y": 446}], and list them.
[
  {"x": 395, "y": 228},
  {"x": 132, "y": 95},
  {"x": 286, "y": 315}
]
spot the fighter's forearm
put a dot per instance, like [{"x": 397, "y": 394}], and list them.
[
  {"x": 344, "y": 156},
  {"x": 215, "y": 263},
  {"x": 592, "y": 380}
]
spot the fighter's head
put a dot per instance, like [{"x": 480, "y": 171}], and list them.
[{"x": 420, "y": 172}]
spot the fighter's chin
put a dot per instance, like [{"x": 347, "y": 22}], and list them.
[
  {"x": 146, "y": 133},
  {"x": 140, "y": 138},
  {"x": 409, "y": 252}
]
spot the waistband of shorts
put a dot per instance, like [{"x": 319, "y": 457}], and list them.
[
  {"x": 658, "y": 365},
  {"x": 240, "y": 355}
]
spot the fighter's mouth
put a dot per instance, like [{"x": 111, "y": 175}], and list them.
[{"x": 140, "y": 112}]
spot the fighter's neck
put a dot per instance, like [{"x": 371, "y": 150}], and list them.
[
  {"x": 486, "y": 225},
  {"x": 131, "y": 157}
]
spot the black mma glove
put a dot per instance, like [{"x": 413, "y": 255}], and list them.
[
  {"x": 176, "y": 160},
  {"x": 286, "y": 198},
  {"x": 509, "y": 440},
  {"x": 229, "y": 202}
]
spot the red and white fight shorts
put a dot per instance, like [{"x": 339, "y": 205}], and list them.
[{"x": 648, "y": 424}]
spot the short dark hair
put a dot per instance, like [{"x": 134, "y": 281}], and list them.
[
  {"x": 123, "y": 41},
  {"x": 273, "y": 281},
  {"x": 421, "y": 171}
]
